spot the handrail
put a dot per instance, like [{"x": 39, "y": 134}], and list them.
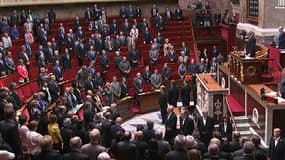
[{"x": 232, "y": 116}]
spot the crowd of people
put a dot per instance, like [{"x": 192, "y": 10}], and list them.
[
  {"x": 52, "y": 130},
  {"x": 205, "y": 16}
]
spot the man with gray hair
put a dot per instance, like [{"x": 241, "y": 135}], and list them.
[
  {"x": 179, "y": 152},
  {"x": 190, "y": 143},
  {"x": 163, "y": 146},
  {"x": 248, "y": 149},
  {"x": 170, "y": 124},
  {"x": 75, "y": 154},
  {"x": 93, "y": 148}
]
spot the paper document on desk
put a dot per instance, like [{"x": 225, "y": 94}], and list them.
[
  {"x": 280, "y": 100},
  {"x": 272, "y": 94}
]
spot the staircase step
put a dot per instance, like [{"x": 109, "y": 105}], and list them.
[
  {"x": 240, "y": 119},
  {"x": 245, "y": 133},
  {"x": 236, "y": 108}
]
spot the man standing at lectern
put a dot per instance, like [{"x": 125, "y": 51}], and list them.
[{"x": 250, "y": 45}]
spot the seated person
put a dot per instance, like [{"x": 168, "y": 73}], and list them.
[
  {"x": 153, "y": 55},
  {"x": 192, "y": 68},
  {"x": 183, "y": 58},
  {"x": 23, "y": 72},
  {"x": 156, "y": 79},
  {"x": 182, "y": 70},
  {"x": 125, "y": 67}
]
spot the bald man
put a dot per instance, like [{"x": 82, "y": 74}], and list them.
[
  {"x": 75, "y": 154},
  {"x": 93, "y": 148},
  {"x": 116, "y": 128},
  {"x": 140, "y": 144},
  {"x": 276, "y": 146}
]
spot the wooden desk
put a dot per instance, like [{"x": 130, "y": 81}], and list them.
[
  {"x": 211, "y": 96},
  {"x": 149, "y": 102},
  {"x": 125, "y": 107},
  {"x": 246, "y": 70}
]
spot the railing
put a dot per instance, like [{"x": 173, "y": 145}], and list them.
[
  {"x": 275, "y": 68},
  {"x": 232, "y": 116}
]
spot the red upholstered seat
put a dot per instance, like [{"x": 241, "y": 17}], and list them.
[
  {"x": 27, "y": 91},
  {"x": 34, "y": 87},
  {"x": 21, "y": 94}
]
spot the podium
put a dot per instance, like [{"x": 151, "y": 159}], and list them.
[
  {"x": 149, "y": 101},
  {"x": 125, "y": 107},
  {"x": 211, "y": 96},
  {"x": 247, "y": 70}
]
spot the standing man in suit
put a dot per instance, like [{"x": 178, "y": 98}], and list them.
[
  {"x": 250, "y": 45},
  {"x": 185, "y": 93},
  {"x": 163, "y": 103},
  {"x": 186, "y": 123},
  {"x": 173, "y": 94},
  {"x": 154, "y": 10},
  {"x": 124, "y": 87},
  {"x": 75, "y": 154},
  {"x": 58, "y": 71},
  {"x": 9, "y": 131},
  {"x": 276, "y": 146},
  {"x": 226, "y": 129},
  {"x": 205, "y": 126},
  {"x": 170, "y": 125},
  {"x": 281, "y": 39}
]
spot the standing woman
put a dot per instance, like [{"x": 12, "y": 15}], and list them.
[
  {"x": 54, "y": 132},
  {"x": 163, "y": 103}
]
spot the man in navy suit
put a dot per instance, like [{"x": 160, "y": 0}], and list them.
[
  {"x": 281, "y": 39},
  {"x": 170, "y": 125},
  {"x": 205, "y": 126},
  {"x": 250, "y": 45},
  {"x": 276, "y": 146},
  {"x": 58, "y": 71}
]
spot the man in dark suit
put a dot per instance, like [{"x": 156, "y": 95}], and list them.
[
  {"x": 58, "y": 71},
  {"x": 248, "y": 152},
  {"x": 166, "y": 72},
  {"x": 125, "y": 149},
  {"x": 281, "y": 39},
  {"x": 66, "y": 59},
  {"x": 154, "y": 10},
  {"x": 14, "y": 18},
  {"x": 124, "y": 87},
  {"x": 179, "y": 153},
  {"x": 226, "y": 129},
  {"x": 250, "y": 45},
  {"x": 9, "y": 131},
  {"x": 185, "y": 93},
  {"x": 205, "y": 126},
  {"x": 47, "y": 152},
  {"x": 89, "y": 83},
  {"x": 140, "y": 144},
  {"x": 106, "y": 129},
  {"x": 186, "y": 123},
  {"x": 149, "y": 132},
  {"x": 105, "y": 61},
  {"x": 75, "y": 154},
  {"x": 81, "y": 52},
  {"x": 117, "y": 127},
  {"x": 170, "y": 125},
  {"x": 276, "y": 146},
  {"x": 163, "y": 103},
  {"x": 53, "y": 88},
  {"x": 282, "y": 86},
  {"x": 88, "y": 14},
  {"x": 173, "y": 94}
]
